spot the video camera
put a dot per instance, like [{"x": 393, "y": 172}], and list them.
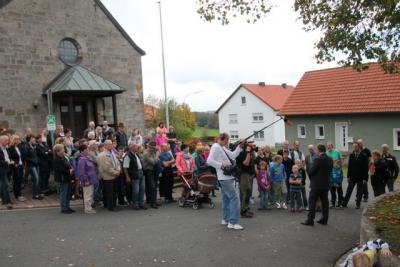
[{"x": 253, "y": 147}]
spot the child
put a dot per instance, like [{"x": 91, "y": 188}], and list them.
[
  {"x": 295, "y": 189},
  {"x": 278, "y": 182},
  {"x": 303, "y": 174},
  {"x": 288, "y": 163},
  {"x": 364, "y": 256},
  {"x": 336, "y": 184},
  {"x": 264, "y": 184}
]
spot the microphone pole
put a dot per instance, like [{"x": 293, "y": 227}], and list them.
[{"x": 250, "y": 136}]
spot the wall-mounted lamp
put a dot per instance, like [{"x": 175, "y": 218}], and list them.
[{"x": 35, "y": 104}]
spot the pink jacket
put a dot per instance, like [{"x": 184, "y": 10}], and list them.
[
  {"x": 263, "y": 180},
  {"x": 159, "y": 139},
  {"x": 181, "y": 164}
]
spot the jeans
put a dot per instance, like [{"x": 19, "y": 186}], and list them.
[
  {"x": 33, "y": 171},
  {"x": 295, "y": 200},
  {"x": 230, "y": 201},
  {"x": 336, "y": 188},
  {"x": 352, "y": 184},
  {"x": 18, "y": 176},
  {"x": 138, "y": 189},
  {"x": 98, "y": 191},
  {"x": 65, "y": 192},
  {"x": 4, "y": 194},
  {"x": 246, "y": 181},
  {"x": 263, "y": 199},
  {"x": 304, "y": 197},
  {"x": 390, "y": 184}
]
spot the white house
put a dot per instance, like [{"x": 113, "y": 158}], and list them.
[{"x": 251, "y": 107}]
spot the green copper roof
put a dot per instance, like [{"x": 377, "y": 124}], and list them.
[{"x": 79, "y": 80}]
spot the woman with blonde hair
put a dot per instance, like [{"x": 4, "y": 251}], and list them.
[{"x": 18, "y": 168}]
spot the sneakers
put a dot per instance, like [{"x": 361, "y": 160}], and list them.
[
  {"x": 90, "y": 211},
  {"x": 235, "y": 226},
  {"x": 223, "y": 222},
  {"x": 284, "y": 206},
  {"x": 278, "y": 206},
  {"x": 21, "y": 199}
]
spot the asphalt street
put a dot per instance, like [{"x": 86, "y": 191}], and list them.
[{"x": 172, "y": 236}]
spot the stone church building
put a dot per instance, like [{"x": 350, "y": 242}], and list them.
[{"x": 74, "y": 53}]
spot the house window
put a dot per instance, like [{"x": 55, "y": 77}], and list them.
[
  {"x": 259, "y": 135},
  {"x": 233, "y": 118},
  {"x": 396, "y": 139},
  {"x": 258, "y": 117},
  {"x": 234, "y": 135},
  {"x": 243, "y": 100},
  {"x": 319, "y": 131},
  {"x": 301, "y": 131}
]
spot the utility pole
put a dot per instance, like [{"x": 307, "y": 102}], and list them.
[{"x": 163, "y": 64}]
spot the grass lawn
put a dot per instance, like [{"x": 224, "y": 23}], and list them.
[{"x": 200, "y": 130}]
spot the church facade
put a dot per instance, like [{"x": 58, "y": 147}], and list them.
[{"x": 70, "y": 58}]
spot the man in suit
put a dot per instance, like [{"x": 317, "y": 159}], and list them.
[
  {"x": 320, "y": 184},
  {"x": 357, "y": 174},
  {"x": 367, "y": 152}
]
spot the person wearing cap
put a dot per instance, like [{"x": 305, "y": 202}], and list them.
[
  {"x": 151, "y": 172},
  {"x": 120, "y": 136}
]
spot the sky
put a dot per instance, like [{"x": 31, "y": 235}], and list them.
[{"x": 206, "y": 62}]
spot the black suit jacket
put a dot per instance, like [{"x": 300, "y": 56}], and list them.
[
  {"x": 3, "y": 163},
  {"x": 320, "y": 172},
  {"x": 358, "y": 167}
]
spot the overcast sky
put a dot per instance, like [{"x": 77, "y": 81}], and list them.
[{"x": 211, "y": 58}]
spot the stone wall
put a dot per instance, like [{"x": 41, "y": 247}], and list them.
[{"x": 30, "y": 31}]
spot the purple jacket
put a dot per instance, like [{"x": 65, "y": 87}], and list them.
[{"x": 87, "y": 171}]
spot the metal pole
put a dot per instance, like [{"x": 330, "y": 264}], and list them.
[
  {"x": 163, "y": 64},
  {"x": 50, "y": 111}
]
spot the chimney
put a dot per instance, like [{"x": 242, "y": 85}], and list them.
[
  {"x": 261, "y": 84},
  {"x": 284, "y": 85}
]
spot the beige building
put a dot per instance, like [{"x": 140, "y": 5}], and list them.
[{"x": 77, "y": 53}]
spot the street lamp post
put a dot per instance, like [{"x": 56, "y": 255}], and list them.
[
  {"x": 163, "y": 64},
  {"x": 184, "y": 102}
]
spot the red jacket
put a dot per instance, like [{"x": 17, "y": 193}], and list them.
[{"x": 181, "y": 164}]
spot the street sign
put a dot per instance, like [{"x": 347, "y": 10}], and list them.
[{"x": 51, "y": 122}]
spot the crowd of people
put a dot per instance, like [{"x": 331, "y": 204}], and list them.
[
  {"x": 105, "y": 167},
  {"x": 281, "y": 177}
]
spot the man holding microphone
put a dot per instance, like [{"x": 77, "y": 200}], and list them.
[{"x": 223, "y": 160}]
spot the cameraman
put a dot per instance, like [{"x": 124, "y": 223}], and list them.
[
  {"x": 245, "y": 162},
  {"x": 223, "y": 160}
]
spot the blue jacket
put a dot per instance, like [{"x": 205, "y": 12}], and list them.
[{"x": 277, "y": 171}]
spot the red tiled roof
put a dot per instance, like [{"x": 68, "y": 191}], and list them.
[
  {"x": 345, "y": 90},
  {"x": 272, "y": 95}
]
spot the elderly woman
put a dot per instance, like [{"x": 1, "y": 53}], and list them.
[
  {"x": 87, "y": 177},
  {"x": 62, "y": 175}
]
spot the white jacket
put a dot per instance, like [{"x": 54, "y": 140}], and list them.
[{"x": 218, "y": 156}]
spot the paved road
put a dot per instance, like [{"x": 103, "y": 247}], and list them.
[{"x": 171, "y": 236}]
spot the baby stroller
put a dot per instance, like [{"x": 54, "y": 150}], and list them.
[{"x": 196, "y": 190}]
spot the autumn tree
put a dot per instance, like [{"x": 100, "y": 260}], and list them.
[{"x": 359, "y": 31}]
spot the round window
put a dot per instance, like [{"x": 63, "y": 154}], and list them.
[{"x": 68, "y": 51}]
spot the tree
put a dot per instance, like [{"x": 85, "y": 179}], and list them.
[{"x": 358, "y": 30}]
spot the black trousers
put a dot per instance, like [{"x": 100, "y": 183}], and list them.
[
  {"x": 151, "y": 180},
  {"x": 365, "y": 192},
  {"x": 110, "y": 196},
  {"x": 339, "y": 190},
  {"x": 314, "y": 195},
  {"x": 378, "y": 185},
  {"x": 18, "y": 176},
  {"x": 350, "y": 187},
  {"x": 120, "y": 189},
  {"x": 166, "y": 184}
]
